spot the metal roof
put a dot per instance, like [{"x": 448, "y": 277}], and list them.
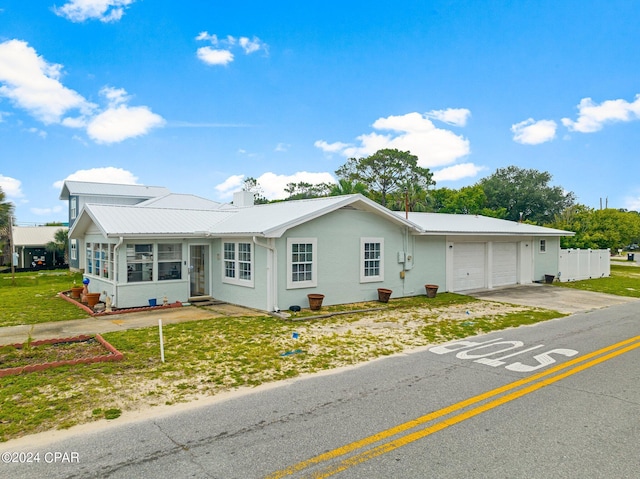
[
  {"x": 181, "y": 201},
  {"x": 87, "y": 188},
  {"x": 270, "y": 220},
  {"x": 456, "y": 224},
  {"x": 121, "y": 220},
  {"x": 35, "y": 235}
]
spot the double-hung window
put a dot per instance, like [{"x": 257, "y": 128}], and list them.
[
  {"x": 237, "y": 265},
  {"x": 169, "y": 261},
  {"x": 371, "y": 259},
  {"x": 543, "y": 246},
  {"x": 302, "y": 262}
]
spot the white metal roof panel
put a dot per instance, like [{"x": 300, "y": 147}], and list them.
[
  {"x": 115, "y": 220},
  {"x": 87, "y": 188},
  {"x": 443, "y": 223},
  {"x": 180, "y": 201}
]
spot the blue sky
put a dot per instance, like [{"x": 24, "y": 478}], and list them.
[{"x": 197, "y": 95}]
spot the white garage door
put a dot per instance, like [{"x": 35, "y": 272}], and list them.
[
  {"x": 504, "y": 264},
  {"x": 469, "y": 266}
]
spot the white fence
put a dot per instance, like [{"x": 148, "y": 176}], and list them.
[{"x": 577, "y": 264}]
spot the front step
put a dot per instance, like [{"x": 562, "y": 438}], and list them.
[{"x": 205, "y": 301}]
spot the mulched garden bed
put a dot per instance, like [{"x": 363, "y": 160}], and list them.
[{"x": 50, "y": 353}]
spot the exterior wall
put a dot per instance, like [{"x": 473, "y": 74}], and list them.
[
  {"x": 547, "y": 262},
  {"x": 429, "y": 265},
  {"x": 577, "y": 264},
  {"x": 338, "y": 258}
]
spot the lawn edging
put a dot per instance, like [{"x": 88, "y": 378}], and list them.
[{"x": 114, "y": 355}]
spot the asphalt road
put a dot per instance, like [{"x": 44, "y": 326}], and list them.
[{"x": 560, "y": 399}]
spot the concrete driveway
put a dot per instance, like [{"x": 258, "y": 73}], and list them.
[{"x": 564, "y": 300}]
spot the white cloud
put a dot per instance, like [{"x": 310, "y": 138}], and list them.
[
  {"x": 108, "y": 174},
  {"x": 103, "y": 10},
  {"x": 280, "y": 147},
  {"x": 221, "y": 54},
  {"x": 452, "y": 116},
  {"x": 592, "y": 117},
  {"x": 11, "y": 187},
  {"x": 122, "y": 122},
  {"x": 531, "y": 132},
  {"x": 411, "y": 132},
  {"x": 230, "y": 185},
  {"x": 272, "y": 184},
  {"x": 331, "y": 147},
  {"x": 33, "y": 84},
  {"x": 212, "y": 56},
  {"x": 457, "y": 172},
  {"x": 42, "y": 134},
  {"x": 632, "y": 203}
]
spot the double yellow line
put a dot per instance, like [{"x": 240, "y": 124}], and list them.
[{"x": 539, "y": 381}]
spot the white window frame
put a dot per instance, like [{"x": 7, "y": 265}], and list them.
[
  {"x": 74, "y": 207},
  {"x": 543, "y": 246},
  {"x": 73, "y": 253},
  {"x": 236, "y": 262},
  {"x": 364, "y": 278},
  {"x": 313, "y": 282}
]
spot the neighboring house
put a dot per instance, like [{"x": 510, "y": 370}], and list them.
[
  {"x": 30, "y": 242},
  {"x": 271, "y": 256},
  {"x": 79, "y": 193}
]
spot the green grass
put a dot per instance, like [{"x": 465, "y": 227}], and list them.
[
  {"x": 32, "y": 298},
  {"x": 624, "y": 281}
]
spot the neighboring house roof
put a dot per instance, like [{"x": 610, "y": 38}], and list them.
[
  {"x": 86, "y": 188},
  {"x": 456, "y": 224},
  {"x": 181, "y": 201},
  {"x": 34, "y": 235},
  {"x": 269, "y": 220}
]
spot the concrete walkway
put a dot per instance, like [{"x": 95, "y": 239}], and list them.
[{"x": 119, "y": 322}]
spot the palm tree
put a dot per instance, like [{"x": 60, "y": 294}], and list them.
[
  {"x": 59, "y": 245},
  {"x": 346, "y": 187},
  {"x": 6, "y": 210}
]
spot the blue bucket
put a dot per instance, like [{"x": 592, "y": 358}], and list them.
[{"x": 153, "y": 302}]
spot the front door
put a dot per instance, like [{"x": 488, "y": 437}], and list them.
[{"x": 198, "y": 271}]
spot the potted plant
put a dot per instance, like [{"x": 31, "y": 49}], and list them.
[
  {"x": 92, "y": 299},
  {"x": 315, "y": 301}
]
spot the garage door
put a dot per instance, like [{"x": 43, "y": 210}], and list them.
[
  {"x": 504, "y": 264},
  {"x": 469, "y": 266}
]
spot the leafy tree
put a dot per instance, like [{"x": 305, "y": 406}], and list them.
[
  {"x": 598, "y": 229},
  {"x": 525, "y": 191},
  {"x": 59, "y": 245},
  {"x": 470, "y": 200},
  {"x": 303, "y": 190},
  {"x": 386, "y": 173},
  {"x": 252, "y": 185}
]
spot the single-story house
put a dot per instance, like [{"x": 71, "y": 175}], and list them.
[
  {"x": 30, "y": 244},
  {"x": 270, "y": 256}
]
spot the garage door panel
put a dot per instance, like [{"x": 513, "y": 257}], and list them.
[
  {"x": 504, "y": 264},
  {"x": 469, "y": 266}
]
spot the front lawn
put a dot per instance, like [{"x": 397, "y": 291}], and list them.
[{"x": 34, "y": 298}]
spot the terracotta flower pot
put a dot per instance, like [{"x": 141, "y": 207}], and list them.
[
  {"x": 432, "y": 289},
  {"x": 92, "y": 299},
  {"x": 315, "y": 301},
  {"x": 76, "y": 291},
  {"x": 384, "y": 295}
]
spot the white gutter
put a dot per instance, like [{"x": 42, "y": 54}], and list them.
[
  {"x": 117, "y": 276},
  {"x": 272, "y": 275}
]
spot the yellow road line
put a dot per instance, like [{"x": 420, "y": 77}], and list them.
[{"x": 354, "y": 446}]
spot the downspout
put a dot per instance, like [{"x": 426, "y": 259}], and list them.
[
  {"x": 272, "y": 273},
  {"x": 115, "y": 273}
]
